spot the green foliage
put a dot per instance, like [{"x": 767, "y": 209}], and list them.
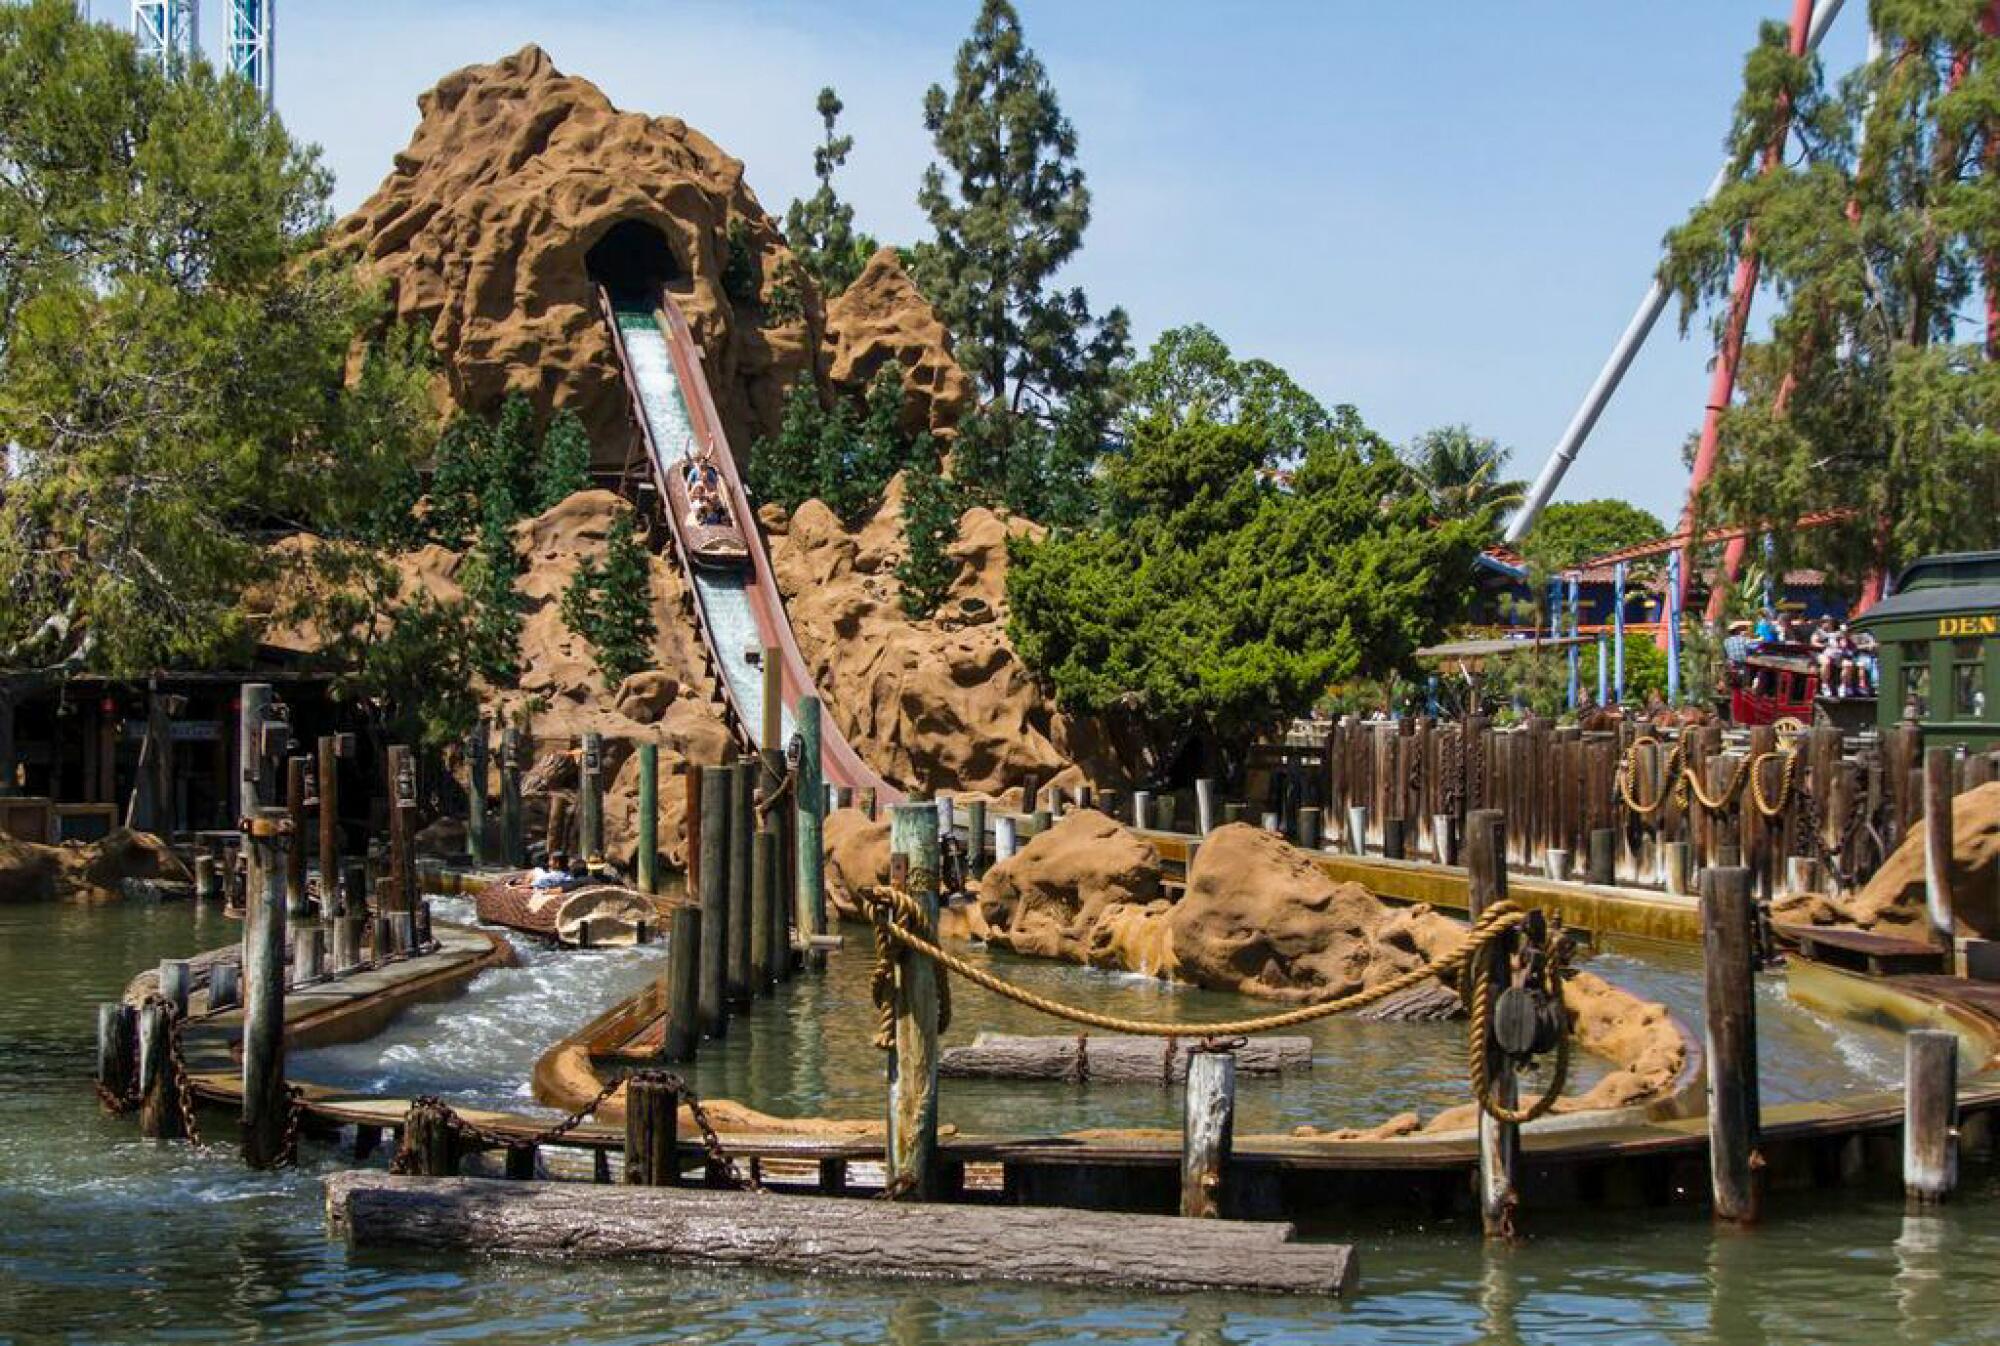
[
  {"x": 610, "y": 605},
  {"x": 173, "y": 355},
  {"x": 1008, "y": 207},
  {"x": 1189, "y": 374},
  {"x": 490, "y": 570},
  {"x": 406, "y": 659},
  {"x": 563, "y": 466},
  {"x": 1875, "y": 237},
  {"x": 1572, "y": 532},
  {"x": 1461, "y": 472},
  {"x": 739, "y": 265},
  {"x": 820, "y": 228},
  {"x": 831, "y": 455},
  {"x": 931, "y": 508},
  {"x": 1213, "y": 600}
]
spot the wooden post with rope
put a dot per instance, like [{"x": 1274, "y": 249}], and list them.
[
  {"x": 1208, "y": 1133},
  {"x": 1729, "y": 993},
  {"x": 651, "y": 1122},
  {"x": 1499, "y": 1142},
  {"x": 913, "y": 1060},
  {"x": 265, "y": 1104}
]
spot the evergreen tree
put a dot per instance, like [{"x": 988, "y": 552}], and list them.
[
  {"x": 1868, "y": 401},
  {"x": 931, "y": 508},
  {"x": 820, "y": 228},
  {"x": 610, "y": 604},
  {"x": 1008, "y": 206},
  {"x": 784, "y": 467},
  {"x": 458, "y": 477},
  {"x": 510, "y": 487},
  {"x": 564, "y": 465},
  {"x": 489, "y": 574}
]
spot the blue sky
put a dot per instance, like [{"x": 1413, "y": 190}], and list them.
[{"x": 1438, "y": 213}]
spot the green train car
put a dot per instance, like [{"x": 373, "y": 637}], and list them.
[{"x": 1939, "y": 638}]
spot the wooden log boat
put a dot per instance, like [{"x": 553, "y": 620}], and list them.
[
  {"x": 711, "y": 545},
  {"x": 591, "y": 915}
]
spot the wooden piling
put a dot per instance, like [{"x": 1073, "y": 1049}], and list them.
[
  {"x": 691, "y": 832},
  {"x": 432, "y": 1143},
  {"x": 513, "y": 839},
  {"x": 975, "y": 838},
  {"x": 255, "y": 786},
  {"x": 402, "y": 895},
  {"x": 764, "y": 899},
  {"x": 176, "y": 977},
  {"x": 590, "y": 797},
  {"x": 1394, "y": 831},
  {"x": 117, "y": 1050},
  {"x": 265, "y": 1106},
  {"x": 1309, "y": 829},
  {"x": 683, "y": 1026},
  {"x": 477, "y": 773},
  {"x": 809, "y": 806},
  {"x": 332, "y": 902},
  {"x": 1499, "y": 1142},
  {"x": 649, "y": 817},
  {"x": 1603, "y": 856},
  {"x": 225, "y": 986},
  {"x": 1930, "y": 1115},
  {"x": 651, "y": 1123},
  {"x": 308, "y": 954},
  {"x": 1680, "y": 866},
  {"x": 913, "y": 1062},
  {"x": 1937, "y": 824},
  {"x": 1729, "y": 995},
  {"x": 353, "y": 921},
  {"x": 1208, "y": 1133},
  {"x": 159, "y": 1098},
  {"x": 717, "y": 783},
  {"x": 296, "y": 905},
  {"x": 742, "y": 842}
]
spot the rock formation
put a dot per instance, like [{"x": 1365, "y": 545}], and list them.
[
  {"x": 79, "y": 871},
  {"x": 941, "y": 704},
  {"x": 1893, "y": 900},
  {"x": 881, "y": 317},
  {"x": 522, "y": 187}
]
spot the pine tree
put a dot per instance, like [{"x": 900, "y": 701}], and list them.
[
  {"x": 610, "y": 604},
  {"x": 783, "y": 467},
  {"x": 931, "y": 508},
  {"x": 512, "y": 449},
  {"x": 563, "y": 467},
  {"x": 1009, "y": 206},
  {"x": 1867, "y": 401},
  {"x": 496, "y": 610},
  {"x": 820, "y": 228}
]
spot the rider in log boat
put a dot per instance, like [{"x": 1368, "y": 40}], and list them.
[{"x": 702, "y": 504}]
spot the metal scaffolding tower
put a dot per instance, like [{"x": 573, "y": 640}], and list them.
[
  {"x": 253, "y": 36},
  {"x": 167, "y": 30}
]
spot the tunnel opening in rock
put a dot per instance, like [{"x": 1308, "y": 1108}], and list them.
[{"x": 632, "y": 261}]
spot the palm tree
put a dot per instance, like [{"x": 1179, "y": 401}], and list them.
[{"x": 1460, "y": 471}]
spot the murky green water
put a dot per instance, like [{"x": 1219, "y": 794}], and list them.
[{"x": 107, "y": 1238}]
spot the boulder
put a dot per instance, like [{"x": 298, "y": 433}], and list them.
[
  {"x": 883, "y": 317},
  {"x": 1050, "y": 896},
  {"x": 1259, "y": 917},
  {"x": 1893, "y": 900},
  {"x": 94, "y": 871},
  {"x": 857, "y": 858}
]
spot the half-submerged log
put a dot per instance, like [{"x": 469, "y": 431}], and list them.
[
  {"x": 930, "y": 1241},
  {"x": 1111, "y": 1058}
]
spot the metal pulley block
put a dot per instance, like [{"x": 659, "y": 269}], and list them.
[{"x": 1517, "y": 1021}]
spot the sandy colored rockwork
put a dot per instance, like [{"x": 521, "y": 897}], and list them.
[
  {"x": 1893, "y": 900},
  {"x": 1257, "y": 918},
  {"x": 481, "y": 230},
  {"x": 882, "y": 317},
  {"x": 937, "y": 704},
  {"x": 79, "y": 871}
]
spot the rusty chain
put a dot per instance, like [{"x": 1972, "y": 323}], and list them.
[{"x": 183, "y": 1086}]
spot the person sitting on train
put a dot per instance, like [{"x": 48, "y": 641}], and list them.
[
  {"x": 1768, "y": 631},
  {"x": 1863, "y": 663},
  {"x": 1826, "y": 646},
  {"x": 1736, "y": 645}
]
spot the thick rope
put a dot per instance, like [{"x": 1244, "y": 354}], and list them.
[
  {"x": 1480, "y": 1058},
  {"x": 1628, "y": 772},
  {"x": 890, "y": 908}
]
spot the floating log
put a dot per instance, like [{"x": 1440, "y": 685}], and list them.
[
  {"x": 861, "y": 1238},
  {"x": 1111, "y": 1058}
]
